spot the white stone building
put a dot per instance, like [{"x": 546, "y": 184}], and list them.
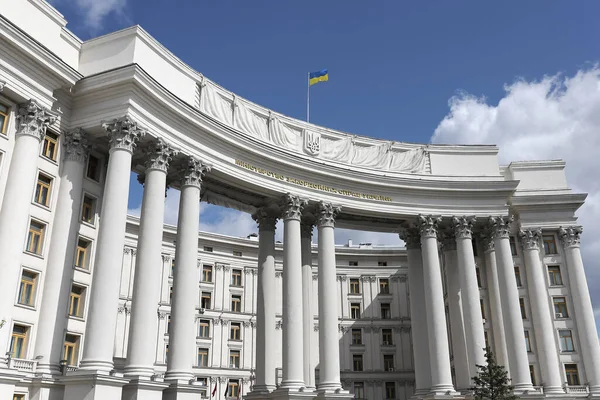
[{"x": 91, "y": 297}]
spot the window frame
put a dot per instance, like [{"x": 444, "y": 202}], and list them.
[
  {"x": 25, "y": 343},
  {"x": 387, "y": 358},
  {"x": 236, "y": 277},
  {"x": 203, "y": 298},
  {"x": 565, "y": 314},
  {"x": 552, "y": 274},
  {"x": 384, "y": 286},
  {"x": 92, "y": 209},
  {"x": 204, "y": 324},
  {"x": 74, "y": 347},
  {"x": 202, "y": 354},
  {"x": 43, "y": 185},
  {"x": 86, "y": 253},
  {"x": 568, "y": 374},
  {"x": 357, "y": 362},
  {"x": 235, "y": 358},
  {"x": 385, "y": 310},
  {"x": 523, "y": 307},
  {"x": 6, "y": 115},
  {"x": 548, "y": 244},
  {"x": 358, "y": 388},
  {"x": 355, "y": 307},
  {"x": 48, "y": 139},
  {"x": 42, "y": 236},
  {"x": 354, "y": 286},
  {"x": 512, "y": 241},
  {"x": 566, "y": 339},
  {"x": 236, "y": 303},
  {"x": 390, "y": 390},
  {"x": 518, "y": 276},
  {"x": 384, "y": 333},
  {"x": 233, "y": 387},
  {"x": 357, "y": 333},
  {"x": 527, "y": 341},
  {"x": 98, "y": 176},
  {"x": 80, "y": 301},
  {"x": 207, "y": 271},
  {"x": 235, "y": 331},
  {"x": 33, "y": 292}
]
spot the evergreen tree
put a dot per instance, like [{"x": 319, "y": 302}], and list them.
[{"x": 492, "y": 382}]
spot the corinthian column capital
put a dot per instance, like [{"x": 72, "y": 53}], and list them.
[
  {"x": 123, "y": 133},
  {"x": 411, "y": 237},
  {"x": 306, "y": 227},
  {"x": 292, "y": 206},
  {"x": 160, "y": 155},
  {"x": 530, "y": 238},
  {"x": 76, "y": 146},
  {"x": 500, "y": 226},
  {"x": 265, "y": 218},
  {"x": 570, "y": 236},
  {"x": 193, "y": 172},
  {"x": 463, "y": 227},
  {"x": 326, "y": 213},
  {"x": 428, "y": 225},
  {"x": 487, "y": 240},
  {"x": 33, "y": 119}
]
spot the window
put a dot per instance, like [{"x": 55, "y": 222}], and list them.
[
  {"x": 93, "y": 168},
  {"x": 166, "y": 352},
  {"x": 359, "y": 390},
  {"x": 356, "y": 336},
  {"x": 205, "y": 300},
  {"x": 236, "y": 277},
  {"x": 382, "y": 263},
  {"x": 549, "y": 244},
  {"x": 235, "y": 331},
  {"x": 70, "y": 349},
  {"x": 168, "y": 323},
  {"x": 478, "y": 275},
  {"x": 355, "y": 310},
  {"x": 76, "y": 303},
  {"x": 572, "y": 374},
  {"x": 50, "y": 146},
  {"x": 386, "y": 336},
  {"x": 236, "y": 303},
  {"x": 207, "y": 273},
  {"x": 208, "y": 249},
  {"x": 202, "y": 382},
  {"x": 42, "y": 190},
  {"x": 18, "y": 396},
  {"x": 566, "y": 340},
  {"x": 354, "y": 286},
  {"x": 3, "y": 118},
  {"x": 388, "y": 362},
  {"x": 81, "y": 257},
  {"x": 233, "y": 387},
  {"x": 560, "y": 307},
  {"x": 204, "y": 331},
  {"x": 88, "y": 209},
  {"x": 554, "y": 275},
  {"x": 385, "y": 311},
  {"x": 35, "y": 237},
  {"x": 527, "y": 342},
  {"x": 237, "y": 253},
  {"x": 202, "y": 357},
  {"x": 18, "y": 341},
  {"x": 357, "y": 362},
  {"x": 234, "y": 358},
  {"x": 172, "y": 270},
  {"x": 353, "y": 263},
  {"x": 482, "y": 308},
  {"x": 27, "y": 288},
  {"x": 390, "y": 390},
  {"x": 384, "y": 286},
  {"x": 532, "y": 374},
  {"x": 513, "y": 245},
  {"x": 170, "y": 294},
  {"x": 522, "y": 305},
  {"x": 518, "y": 277}
]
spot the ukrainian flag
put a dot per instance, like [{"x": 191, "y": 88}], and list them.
[{"x": 319, "y": 76}]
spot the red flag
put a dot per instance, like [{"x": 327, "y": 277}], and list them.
[
  {"x": 240, "y": 387},
  {"x": 214, "y": 391}
]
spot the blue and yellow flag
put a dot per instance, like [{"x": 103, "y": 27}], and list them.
[{"x": 319, "y": 76}]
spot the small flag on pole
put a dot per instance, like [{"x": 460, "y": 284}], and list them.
[
  {"x": 214, "y": 391},
  {"x": 319, "y": 76}
]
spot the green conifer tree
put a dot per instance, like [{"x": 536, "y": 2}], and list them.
[{"x": 492, "y": 382}]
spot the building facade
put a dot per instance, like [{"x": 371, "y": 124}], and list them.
[{"x": 96, "y": 304}]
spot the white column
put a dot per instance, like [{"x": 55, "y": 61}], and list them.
[
  {"x": 329, "y": 350},
  {"x": 509, "y": 297},
  {"x": 59, "y": 270},
  {"x": 104, "y": 298},
  {"x": 584, "y": 314},
  {"x": 471, "y": 303},
  {"x": 496, "y": 316},
  {"x": 293, "y": 351},
  {"x": 418, "y": 320},
  {"x": 32, "y": 121},
  {"x": 182, "y": 337},
  {"x": 148, "y": 267},
  {"x": 540, "y": 312},
  {"x": 439, "y": 352},
  {"x": 265, "y": 302},
  {"x": 455, "y": 308},
  {"x": 307, "y": 296}
]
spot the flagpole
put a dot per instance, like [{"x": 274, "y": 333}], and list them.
[{"x": 308, "y": 98}]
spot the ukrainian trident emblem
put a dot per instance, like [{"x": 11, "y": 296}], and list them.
[{"x": 312, "y": 142}]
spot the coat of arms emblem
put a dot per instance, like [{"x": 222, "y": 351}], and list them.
[{"x": 312, "y": 142}]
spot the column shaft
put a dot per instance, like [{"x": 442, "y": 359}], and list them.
[{"x": 307, "y": 314}]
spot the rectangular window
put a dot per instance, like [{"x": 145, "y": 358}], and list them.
[
  {"x": 353, "y": 263},
  {"x": 359, "y": 390},
  {"x": 356, "y": 336},
  {"x": 382, "y": 263},
  {"x": 27, "y": 288},
  {"x": 518, "y": 277},
  {"x": 527, "y": 342},
  {"x": 170, "y": 294},
  {"x": 93, "y": 168},
  {"x": 566, "y": 340},
  {"x": 207, "y": 273},
  {"x": 233, "y": 387},
  {"x": 50, "y": 146},
  {"x": 76, "y": 301},
  {"x": 88, "y": 209},
  {"x": 18, "y": 341},
  {"x": 3, "y": 118},
  {"x": 82, "y": 254},
  {"x": 560, "y": 307},
  {"x": 236, "y": 303},
  {"x": 35, "y": 238},
  {"x": 355, "y": 310},
  {"x": 388, "y": 362},
  {"x": 236, "y": 277},
  {"x": 205, "y": 301},
  {"x": 168, "y": 323},
  {"x": 386, "y": 336},
  {"x": 70, "y": 349},
  {"x": 354, "y": 286},
  {"x": 478, "y": 275},
  {"x": 204, "y": 330},
  {"x": 172, "y": 269},
  {"x": 42, "y": 190},
  {"x": 235, "y": 332},
  {"x": 357, "y": 362},
  {"x": 202, "y": 357},
  {"x": 482, "y": 308},
  {"x": 237, "y": 253},
  {"x": 572, "y": 374},
  {"x": 554, "y": 275},
  {"x": 384, "y": 286},
  {"x": 390, "y": 390},
  {"x": 166, "y": 353},
  {"x": 18, "y": 396},
  {"x": 234, "y": 358},
  {"x": 385, "y": 311},
  {"x": 532, "y": 374},
  {"x": 522, "y": 305},
  {"x": 549, "y": 244},
  {"x": 513, "y": 245},
  {"x": 208, "y": 249}
]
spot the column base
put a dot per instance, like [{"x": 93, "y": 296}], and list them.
[
  {"x": 141, "y": 389},
  {"x": 291, "y": 394},
  {"x": 333, "y": 394},
  {"x": 263, "y": 393},
  {"x": 181, "y": 391},
  {"x": 90, "y": 385}
]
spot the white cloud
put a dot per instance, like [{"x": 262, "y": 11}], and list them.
[
  {"x": 94, "y": 11},
  {"x": 556, "y": 117}
]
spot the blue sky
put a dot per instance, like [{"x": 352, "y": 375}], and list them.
[{"x": 522, "y": 75}]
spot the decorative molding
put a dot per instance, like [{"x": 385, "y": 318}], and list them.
[
  {"x": 278, "y": 274},
  {"x": 123, "y": 133},
  {"x": 315, "y": 277},
  {"x": 463, "y": 227},
  {"x": 292, "y": 206},
  {"x": 411, "y": 237},
  {"x": 279, "y": 324},
  {"x": 316, "y": 328},
  {"x": 500, "y": 226},
  {"x": 2, "y": 84},
  {"x": 487, "y": 239},
  {"x": 246, "y": 324},
  {"x": 218, "y": 267},
  {"x": 530, "y": 238},
  {"x": 33, "y": 120},
  {"x": 265, "y": 218},
  {"x": 193, "y": 172},
  {"x": 76, "y": 146},
  {"x": 161, "y": 155},
  {"x": 570, "y": 236},
  {"x": 403, "y": 278},
  {"x": 428, "y": 225},
  {"x": 341, "y": 278},
  {"x": 448, "y": 240},
  {"x": 167, "y": 258},
  {"x": 327, "y": 213},
  {"x": 162, "y": 314}
]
